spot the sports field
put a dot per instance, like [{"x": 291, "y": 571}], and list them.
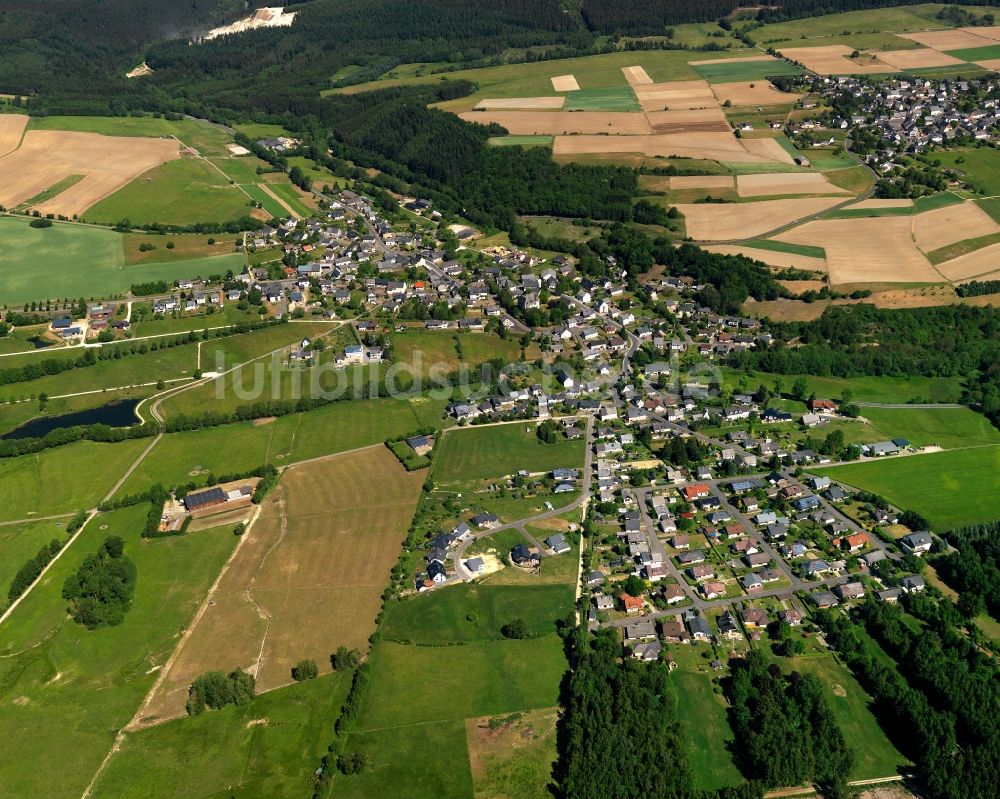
[
  {"x": 307, "y": 578},
  {"x": 483, "y": 452},
  {"x": 950, "y": 489},
  {"x": 66, "y": 689}
]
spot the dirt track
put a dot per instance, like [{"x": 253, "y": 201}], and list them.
[{"x": 11, "y": 129}]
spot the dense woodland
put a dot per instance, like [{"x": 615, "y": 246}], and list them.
[
  {"x": 100, "y": 591},
  {"x": 620, "y": 735},
  {"x": 974, "y": 569},
  {"x": 940, "y": 703}
]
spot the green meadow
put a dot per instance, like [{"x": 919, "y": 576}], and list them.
[
  {"x": 482, "y": 452},
  {"x": 744, "y": 70},
  {"x": 949, "y": 489},
  {"x": 867, "y": 389},
  {"x": 950, "y": 428},
  {"x": 21, "y": 542},
  {"x": 65, "y": 689},
  {"x": 206, "y": 138}
]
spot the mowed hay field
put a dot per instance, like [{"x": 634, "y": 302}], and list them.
[
  {"x": 107, "y": 163},
  {"x": 307, "y": 578},
  {"x": 725, "y": 221},
  {"x": 944, "y": 226},
  {"x": 871, "y": 250},
  {"x": 11, "y": 130}
]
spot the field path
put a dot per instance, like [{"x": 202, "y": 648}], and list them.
[{"x": 267, "y": 190}]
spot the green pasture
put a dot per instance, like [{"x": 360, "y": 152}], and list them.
[
  {"x": 744, "y": 70},
  {"x": 899, "y": 20},
  {"x": 866, "y": 213},
  {"x": 483, "y": 452},
  {"x": 950, "y": 428},
  {"x": 979, "y": 167},
  {"x": 267, "y": 202},
  {"x": 827, "y": 159},
  {"x": 520, "y": 141},
  {"x": 20, "y": 543},
  {"x": 781, "y": 246},
  {"x": 288, "y": 193},
  {"x": 934, "y": 201},
  {"x": 986, "y": 53},
  {"x": 269, "y": 747},
  {"x": 260, "y": 130},
  {"x": 612, "y": 98},
  {"x": 867, "y": 389},
  {"x": 65, "y": 689},
  {"x": 63, "y": 479},
  {"x": 180, "y": 192},
  {"x": 950, "y": 489},
  {"x": 242, "y": 169}
]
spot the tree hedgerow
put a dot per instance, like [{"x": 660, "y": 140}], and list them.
[{"x": 215, "y": 689}]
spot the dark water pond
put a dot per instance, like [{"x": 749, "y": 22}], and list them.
[{"x": 114, "y": 414}]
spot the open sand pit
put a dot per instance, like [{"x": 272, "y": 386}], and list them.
[
  {"x": 701, "y": 182},
  {"x": 868, "y": 204},
  {"x": 107, "y": 163},
  {"x": 916, "y": 59},
  {"x": 785, "y": 183},
  {"x": 758, "y": 92},
  {"x": 676, "y": 96},
  {"x": 780, "y": 260},
  {"x": 972, "y": 265},
  {"x": 522, "y": 104},
  {"x": 875, "y": 250},
  {"x": 713, "y": 146},
  {"x": 959, "y": 39},
  {"x": 689, "y": 121},
  {"x": 943, "y": 226},
  {"x": 11, "y": 129},
  {"x": 563, "y": 122},
  {"x": 726, "y": 221},
  {"x": 636, "y": 76},
  {"x": 833, "y": 60},
  {"x": 565, "y": 83},
  {"x": 768, "y": 150}
]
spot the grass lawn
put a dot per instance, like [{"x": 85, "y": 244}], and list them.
[
  {"x": 745, "y": 70},
  {"x": 875, "y": 756},
  {"x": 950, "y": 489},
  {"x": 866, "y": 389},
  {"x": 63, "y": 479},
  {"x": 950, "y": 428},
  {"x": 612, "y": 98},
  {"x": 180, "y": 192},
  {"x": 480, "y": 453},
  {"x": 477, "y": 348},
  {"x": 703, "y": 713},
  {"x": 66, "y": 689},
  {"x": 442, "y": 616},
  {"x": 206, "y": 138},
  {"x": 269, "y": 747},
  {"x": 426, "y": 349}
]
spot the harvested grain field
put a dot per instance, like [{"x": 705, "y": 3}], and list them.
[
  {"x": 676, "y": 96},
  {"x": 636, "y": 76},
  {"x": 779, "y": 260},
  {"x": 991, "y": 32},
  {"x": 307, "y": 577},
  {"x": 972, "y": 265},
  {"x": 713, "y": 146},
  {"x": 11, "y": 129},
  {"x": 992, "y": 64},
  {"x": 740, "y": 60},
  {"x": 916, "y": 59},
  {"x": 768, "y": 150},
  {"x": 983, "y": 278},
  {"x": 758, "y": 92},
  {"x": 785, "y": 183},
  {"x": 868, "y": 250},
  {"x": 832, "y": 60},
  {"x": 107, "y": 163},
  {"x": 689, "y": 121},
  {"x": 565, "y": 83},
  {"x": 866, "y": 205},
  {"x": 701, "y": 182},
  {"x": 949, "y": 39},
  {"x": 522, "y": 104},
  {"x": 728, "y": 221},
  {"x": 943, "y": 226},
  {"x": 526, "y": 123}
]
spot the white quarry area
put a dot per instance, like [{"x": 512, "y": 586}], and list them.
[{"x": 274, "y": 17}]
